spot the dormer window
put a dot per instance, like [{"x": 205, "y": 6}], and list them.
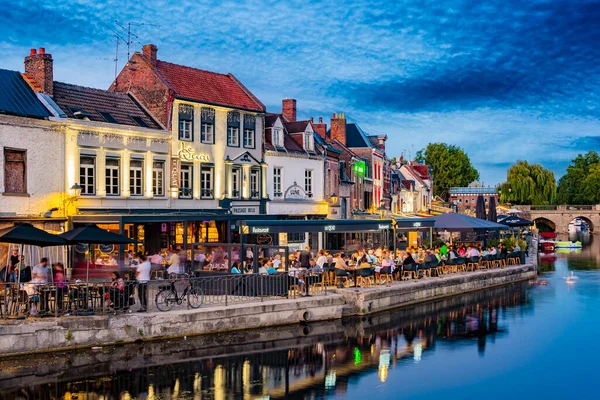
[
  {"x": 309, "y": 141},
  {"x": 277, "y": 137},
  {"x": 108, "y": 117}
]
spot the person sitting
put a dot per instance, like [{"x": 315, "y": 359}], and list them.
[
  {"x": 115, "y": 290},
  {"x": 295, "y": 272},
  {"x": 262, "y": 270},
  {"x": 493, "y": 251},
  {"x": 175, "y": 267},
  {"x": 341, "y": 266},
  {"x": 277, "y": 261},
  {"x": 235, "y": 268}
]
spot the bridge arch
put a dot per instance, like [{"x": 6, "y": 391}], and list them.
[
  {"x": 587, "y": 220},
  {"x": 545, "y": 224}
]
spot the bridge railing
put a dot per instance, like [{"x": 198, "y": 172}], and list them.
[{"x": 582, "y": 207}]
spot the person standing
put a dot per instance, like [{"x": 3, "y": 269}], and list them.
[
  {"x": 305, "y": 258},
  {"x": 142, "y": 275}
]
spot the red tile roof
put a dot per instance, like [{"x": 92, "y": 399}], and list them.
[
  {"x": 423, "y": 170},
  {"x": 205, "y": 86}
]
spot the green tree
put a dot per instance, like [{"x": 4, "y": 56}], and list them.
[
  {"x": 580, "y": 184},
  {"x": 528, "y": 184},
  {"x": 450, "y": 165}
]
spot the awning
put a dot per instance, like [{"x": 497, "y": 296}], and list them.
[
  {"x": 415, "y": 223},
  {"x": 324, "y": 225}
]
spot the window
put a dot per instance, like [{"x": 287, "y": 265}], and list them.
[
  {"x": 206, "y": 183},
  {"x": 236, "y": 175},
  {"x": 249, "y": 129},
  {"x": 249, "y": 138},
  {"x": 233, "y": 129},
  {"x": 277, "y": 137},
  {"x": 308, "y": 141},
  {"x": 87, "y": 175},
  {"x": 185, "y": 181},
  {"x": 186, "y": 122},
  {"x": 112, "y": 177},
  {"x": 308, "y": 182},
  {"x": 158, "y": 178},
  {"x": 207, "y": 125},
  {"x": 254, "y": 184},
  {"x": 140, "y": 121},
  {"x": 459, "y": 201},
  {"x": 136, "y": 180},
  {"x": 277, "y": 174},
  {"x": 15, "y": 171},
  {"x": 108, "y": 117},
  {"x": 473, "y": 201}
]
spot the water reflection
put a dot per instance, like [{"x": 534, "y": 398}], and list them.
[{"x": 268, "y": 363}]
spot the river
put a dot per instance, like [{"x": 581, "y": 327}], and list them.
[{"x": 517, "y": 341}]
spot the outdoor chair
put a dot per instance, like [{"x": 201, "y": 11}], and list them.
[
  {"x": 503, "y": 260},
  {"x": 386, "y": 274},
  {"x": 365, "y": 276},
  {"x": 410, "y": 271},
  {"x": 340, "y": 275},
  {"x": 461, "y": 264},
  {"x": 485, "y": 262},
  {"x": 472, "y": 263},
  {"x": 451, "y": 266},
  {"x": 438, "y": 268},
  {"x": 514, "y": 258},
  {"x": 424, "y": 270}
]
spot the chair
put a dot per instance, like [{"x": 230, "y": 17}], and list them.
[
  {"x": 157, "y": 274},
  {"x": 424, "y": 270},
  {"x": 410, "y": 271},
  {"x": 450, "y": 266},
  {"x": 386, "y": 274},
  {"x": 514, "y": 258},
  {"x": 461, "y": 264},
  {"x": 472, "y": 263},
  {"x": 365, "y": 276},
  {"x": 485, "y": 262},
  {"x": 340, "y": 274}
]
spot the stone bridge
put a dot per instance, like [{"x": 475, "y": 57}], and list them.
[{"x": 558, "y": 217}]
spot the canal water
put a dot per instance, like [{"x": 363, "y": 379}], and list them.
[{"x": 518, "y": 341}]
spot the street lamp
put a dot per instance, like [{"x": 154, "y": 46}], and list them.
[
  {"x": 333, "y": 198},
  {"x": 76, "y": 190},
  {"x": 381, "y": 209}
]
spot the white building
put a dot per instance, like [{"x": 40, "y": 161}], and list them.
[
  {"x": 295, "y": 176},
  {"x": 412, "y": 188}
]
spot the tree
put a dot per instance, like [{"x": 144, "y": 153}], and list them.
[
  {"x": 450, "y": 165},
  {"x": 580, "y": 184},
  {"x": 528, "y": 184}
]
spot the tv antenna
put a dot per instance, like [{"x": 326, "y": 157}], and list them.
[{"x": 131, "y": 35}]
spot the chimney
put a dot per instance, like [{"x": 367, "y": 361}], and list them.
[
  {"x": 288, "y": 109},
  {"x": 338, "y": 128},
  {"x": 381, "y": 143},
  {"x": 39, "y": 66},
  {"x": 320, "y": 128},
  {"x": 149, "y": 52}
]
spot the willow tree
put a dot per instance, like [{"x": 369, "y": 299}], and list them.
[{"x": 528, "y": 184}]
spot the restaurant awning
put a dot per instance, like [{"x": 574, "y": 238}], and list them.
[
  {"x": 514, "y": 221},
  {"x": 414, "y": 223},
  {"x": 455, "y": 222},
  {"x": 324, "y": 225}
]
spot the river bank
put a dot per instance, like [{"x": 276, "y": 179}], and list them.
[{"x": 63, "y": 333}]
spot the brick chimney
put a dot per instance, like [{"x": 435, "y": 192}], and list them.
[
  {"x": 338, "y": 128},
  {"x": 320, "y": 128},
  {"x": 40, "y": 66},
  {"x": 288, "y": 109},
  {"x": 381, "y": 142},
  {"x": 149, "y": 52}
]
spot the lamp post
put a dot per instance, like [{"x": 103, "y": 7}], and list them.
[
  {"x": 76, "y": 192},
  {"x": 333, "y": 198}
]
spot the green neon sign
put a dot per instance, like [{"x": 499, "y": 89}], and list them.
[{"x": 359, "y": 168}]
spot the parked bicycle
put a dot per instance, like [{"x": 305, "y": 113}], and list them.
[{"x": 168, "y": 296}]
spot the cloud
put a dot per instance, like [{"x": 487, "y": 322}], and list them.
[{"x": 504, "y": 80}]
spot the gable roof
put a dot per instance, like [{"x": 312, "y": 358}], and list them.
[
  {"x": 122, "y": 107},
  {"x": 296, "y": 126},
  {"x": 207, "y": 87},
  {"x": 18, "y": 98}
]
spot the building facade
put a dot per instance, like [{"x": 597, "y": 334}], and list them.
[
  {"x": 411, "y": 187},
  {"x": 465, "y": 198}
]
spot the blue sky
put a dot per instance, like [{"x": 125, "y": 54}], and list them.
[{"x": 505, "y": 80}]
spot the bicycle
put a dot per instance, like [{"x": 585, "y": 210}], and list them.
[{"x": 167, "y": 296}]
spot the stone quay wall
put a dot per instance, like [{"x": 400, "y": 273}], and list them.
[{"x": 55, "y": 334}]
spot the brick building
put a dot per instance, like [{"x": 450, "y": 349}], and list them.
[{"x": 465, "y": 198}]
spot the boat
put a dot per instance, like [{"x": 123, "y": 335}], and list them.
[
  {"x": 546, "y": 242},
  {"x": 568, "y": 245}
]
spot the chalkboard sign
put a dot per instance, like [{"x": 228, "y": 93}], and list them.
[
  {"x": 106, "y": 248},
  {"x": 82, "y": 247}
]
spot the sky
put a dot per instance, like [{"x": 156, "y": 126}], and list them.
[{"x": 504, "y": 80}]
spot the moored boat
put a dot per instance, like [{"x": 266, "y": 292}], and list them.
[{"x": 568, "y": 245}]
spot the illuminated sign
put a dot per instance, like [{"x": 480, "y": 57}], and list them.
[
  {"x": 416, "y": 224},
  {"x": 244, "y": 210},
  {"x": 189, "y": 154},
  {"x": 175, "y": 173},
  {"x": 259, "y": 230},
  {"x": 329, "y": 228},
  {"x": 384, "y": 226},
  {"x": 360, "y": 168}
]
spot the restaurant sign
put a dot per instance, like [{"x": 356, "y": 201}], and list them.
[
  {"x": 295, "y": 192},
  {"x": 175, "y": 164},
  {"x": 245, "y": 210},
  {"x": 189, "y": 154}
]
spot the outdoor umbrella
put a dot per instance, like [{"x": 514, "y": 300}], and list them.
[
  {"x": 23, "y": 233},
  {"x": 91, "y": 234},
  {"x": 454, "y": 222},
  {"x": 492, "y": 216},
  {"x": 514, "y": 221},
  {"x": 480, "y": 208}
]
